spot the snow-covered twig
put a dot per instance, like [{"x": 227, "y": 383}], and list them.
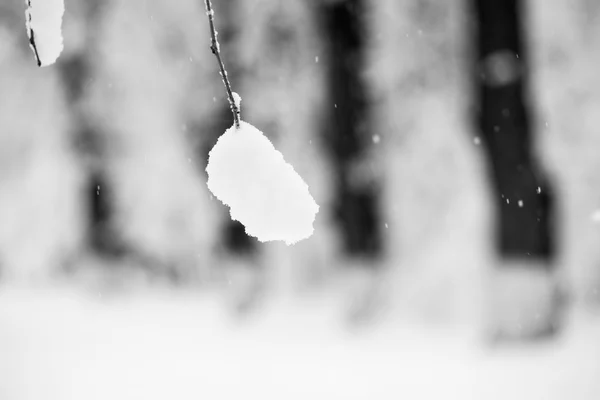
[
  {"x": 214, "y": 47},
  {"x": 43, "y": 19}
]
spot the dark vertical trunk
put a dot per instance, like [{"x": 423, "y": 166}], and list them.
[
  {"x": 76, "y": 71},
  {"x": 522, "y": 194},
  {"x": 347, "y": 128}
]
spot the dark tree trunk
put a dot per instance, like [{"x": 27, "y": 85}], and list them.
[
  {"x": 76, "y": 71},
  {"x": 523, "y": 197},
  {"x": 347, "y": 127}
]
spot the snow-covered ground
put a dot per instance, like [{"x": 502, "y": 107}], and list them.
[{"x": 159, "y": 344}]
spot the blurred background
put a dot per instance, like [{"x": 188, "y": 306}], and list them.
[{"x": 121, "y": 277}]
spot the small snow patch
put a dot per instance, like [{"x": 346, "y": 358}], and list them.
[{"x": 237, "y": 100}]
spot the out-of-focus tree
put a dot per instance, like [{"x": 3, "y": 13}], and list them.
[
  {"x": 525, "y": 296},
  {"x": 40, "y": 211},
  {"x": 348, "y": 130}
]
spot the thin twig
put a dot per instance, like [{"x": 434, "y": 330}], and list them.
[
  {"x": 214, "y": 47},
  {"x": 31, "y": 34}
]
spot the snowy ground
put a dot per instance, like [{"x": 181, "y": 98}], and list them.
[{"x": 158, "y": 344}]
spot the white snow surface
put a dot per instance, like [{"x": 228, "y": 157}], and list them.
[
  {"x": 69, "y": 345},
  {"x": 43, "y": 19},
  {"x": 264, "y": 193}
]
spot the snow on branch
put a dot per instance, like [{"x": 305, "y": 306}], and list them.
[
  {"x": 247, "y": 173},
  {"x": 264, "y": 192},
  {"x": 43, "y": 19}
]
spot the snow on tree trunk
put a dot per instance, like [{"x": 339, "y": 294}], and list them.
[
  {"x": 40, "y": 213},
  {"x": 162, "y": 206},
  {"x": 435, "y": 206},
  {"x": 563, "y": 73},
  {"x": 43, "y": 20}
]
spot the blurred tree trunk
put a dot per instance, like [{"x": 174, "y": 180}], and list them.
[
  {"x": 348, "y": 129},
  {"x": 522, "y": 194},
  {"x": 76, "y": 70}
]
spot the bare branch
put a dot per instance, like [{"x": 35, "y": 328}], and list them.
[{"x": 214, "y": 47}]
